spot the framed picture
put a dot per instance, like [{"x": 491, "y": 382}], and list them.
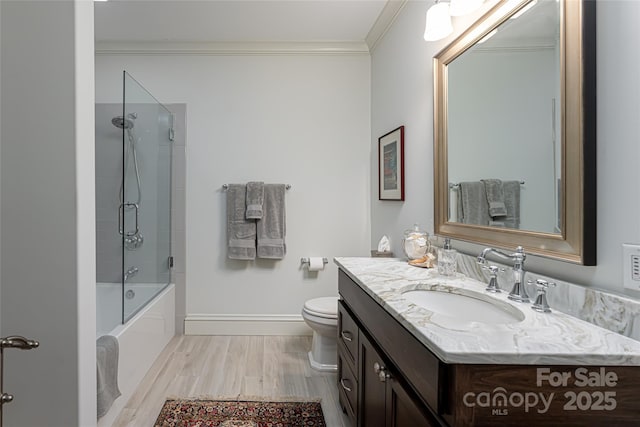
[{"x": 391, "y": 165}]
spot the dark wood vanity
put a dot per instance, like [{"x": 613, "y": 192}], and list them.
[{"x": 387, "y": 377}]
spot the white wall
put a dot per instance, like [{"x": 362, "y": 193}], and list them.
[
  {"x": 402, "y": 94},
  {"x": 48, "y": 246},
  {"x": 297, "y": 119}
]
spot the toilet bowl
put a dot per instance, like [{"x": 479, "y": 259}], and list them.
[{"x": 321, "y": 314}]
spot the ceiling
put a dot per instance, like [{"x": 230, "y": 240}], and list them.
[{"x": 201, "y": 21}]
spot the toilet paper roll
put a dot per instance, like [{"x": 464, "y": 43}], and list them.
[{"x": 316, "y": 264}]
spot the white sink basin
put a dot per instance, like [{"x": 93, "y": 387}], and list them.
[{"x": 465, "y": 307}]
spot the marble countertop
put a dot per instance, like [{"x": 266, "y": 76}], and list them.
[{"x": 540, "y": 338}]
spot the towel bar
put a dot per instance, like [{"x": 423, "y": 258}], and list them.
[
  {"x": 455, "y": 185},
  {"x": 225, "y": 187}
]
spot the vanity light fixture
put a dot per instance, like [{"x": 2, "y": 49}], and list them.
[
  {"x": 463, "y": 7},
  {"x": 439, "y": 15},
  {"x": 438, "y": 25}
]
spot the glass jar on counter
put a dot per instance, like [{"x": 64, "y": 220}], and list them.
[{"x": 415, "y": 243}]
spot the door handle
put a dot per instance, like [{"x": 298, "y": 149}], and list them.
[
  {"x": 12, "y": 341},
  {"x": 121, "y": 229},
  {"x": 16, "y": 341}
]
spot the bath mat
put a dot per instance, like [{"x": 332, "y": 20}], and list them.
[{"x": 240, "y": 413}]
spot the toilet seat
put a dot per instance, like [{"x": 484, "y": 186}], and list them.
[{"x": 325, "y": 307}]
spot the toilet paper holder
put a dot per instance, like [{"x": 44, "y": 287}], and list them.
[{"x": 305, "y": 261}]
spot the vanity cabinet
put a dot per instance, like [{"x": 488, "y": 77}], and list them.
[
  {"x": 373, "y": 389},
  {"x": 387, "y": 377}
]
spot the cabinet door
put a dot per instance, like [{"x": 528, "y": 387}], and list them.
[
  {"x": 372, "y": 387},
  {"x": 402, "y": 410}
]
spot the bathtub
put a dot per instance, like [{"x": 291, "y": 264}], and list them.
[{"x": 141, "y": 339}]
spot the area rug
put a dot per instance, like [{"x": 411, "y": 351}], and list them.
[{"x": 240, "y": 413}]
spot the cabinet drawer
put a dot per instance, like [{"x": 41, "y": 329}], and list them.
[
  {"x": 348, "y": 333},
  {"x": 347, "y": 389}
]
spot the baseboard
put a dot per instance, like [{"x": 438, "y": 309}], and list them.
[{"x": 245, "y": 324}]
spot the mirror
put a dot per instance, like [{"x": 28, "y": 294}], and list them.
[{"x": 514, "y": 130}]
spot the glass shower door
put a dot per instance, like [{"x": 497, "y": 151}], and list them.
[{"x": 145, "y": 209}]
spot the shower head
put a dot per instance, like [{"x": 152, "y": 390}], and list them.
[{"x": 124, "y": 123}]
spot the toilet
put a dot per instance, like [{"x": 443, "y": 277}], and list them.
[{"x": 321, "y": 314}]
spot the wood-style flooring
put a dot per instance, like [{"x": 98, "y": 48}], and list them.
[{"x": 266, "y": 366}]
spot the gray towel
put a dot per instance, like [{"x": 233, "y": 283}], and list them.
[
  {"x": 271, "y": 228},
  {"x": 511, "y": 191},
  {"x": 241, "y": 232},
  {"x": 255, "y": 198},
  {"x": 495, "y": 197},
  {"x": 107, "y": 372},
  {"x": 472, "y": 204}
]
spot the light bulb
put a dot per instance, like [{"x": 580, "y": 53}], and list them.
[{"x": 438, "y": 25}]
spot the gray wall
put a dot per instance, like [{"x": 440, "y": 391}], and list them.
[{"x": 47, "y": 263}]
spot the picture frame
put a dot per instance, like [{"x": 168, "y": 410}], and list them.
[{"x": 391, "y": 165}]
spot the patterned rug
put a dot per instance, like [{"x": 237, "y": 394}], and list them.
[{"x": 240, "y": 413}]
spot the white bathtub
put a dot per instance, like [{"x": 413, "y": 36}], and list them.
[{"x": 141, "y": 339}]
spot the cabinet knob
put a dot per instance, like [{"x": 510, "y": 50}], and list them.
[{"x": 383, "y": 375}]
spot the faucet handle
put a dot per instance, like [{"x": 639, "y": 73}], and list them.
[
  {"x": 493, "y": 281},
  {"x": 542, "y": 284},
  {"x": 541, "y": 303}
]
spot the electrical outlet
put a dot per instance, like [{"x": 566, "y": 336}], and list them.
[{"x": 631, "y": 266}]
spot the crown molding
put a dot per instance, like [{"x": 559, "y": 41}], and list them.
[
  {"x": 383, "y": 23},
  {"x": 231, "y": 48}
]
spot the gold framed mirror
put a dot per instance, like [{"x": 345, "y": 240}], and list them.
[{"x": 515, "y": 122}]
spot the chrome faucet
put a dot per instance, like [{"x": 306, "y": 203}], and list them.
[
  {"x": 132, "y": 271},
  {"x": 518, "y": 292}
]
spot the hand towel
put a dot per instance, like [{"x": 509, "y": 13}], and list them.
[
  {"x": 495, "y": 197},
  {"x": 472, "y": 203},
  {"x": 107, "y": 372},
  {"x": 241, "y": 232},
  {"x": 512, "y": 203},
  {"x": 255, "y": 198},
  {"x": 271, "y": 228}
]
